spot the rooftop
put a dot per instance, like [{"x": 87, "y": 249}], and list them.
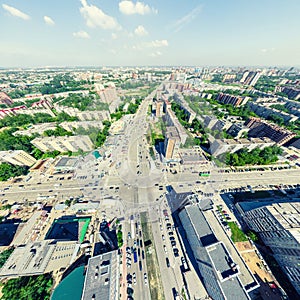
[{"x": 101, "y": 280}]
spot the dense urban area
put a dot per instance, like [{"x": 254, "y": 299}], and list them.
[{"x": 163, "y": 183}]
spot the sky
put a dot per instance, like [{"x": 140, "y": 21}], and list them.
[{"x": 35, "y": 33}]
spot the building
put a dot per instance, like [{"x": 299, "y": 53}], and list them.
[
  {"x": 261, "y": 128},
  {"x": 172, "y": 142},
  {"x": 220, "y": 146},
  {"x": 237, "y": 130},
  {"x": 231, "y": 99},
  {"x": 64, "y": 143},
  {"x": 17, "y": 157},
  {"x": 250, "y": 78},
  {"x": 72, "y": 126},
  {"x": 218, "y": 271},
  {"x": 108, "y": 94},
  {"x": 64, "y": 164},
  {"x": 210, "y": 121},
  {"x": 192, "y": 156},
  {"x": 37, "y": 128},
  {"x": 229, "y": 78},
  {"x": 158, "y": 108},
  {"x": 278, "y": 225},
  {"x": 185, "y": 107},
  {"x": 291, "y": 92},
  {"x": 102, "y": 277},
  {"x": 44, "y": 103},
  {"x": 266, "y": 112},
  {"x": 5, "y": 99},
  {"x": 35, "y": 258}
]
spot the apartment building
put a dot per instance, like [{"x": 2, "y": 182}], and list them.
[
  {"x": 17, "y": 157},
  {"x": 237, "y": 130},
  {"x": 261, "y": 128},
  {"x": 185, "y": 107},
  {"x": 107, "y": 94},
  {"x": 5, "y": 99},
  {"x": 231, "y": 99},
  {"x": 229, "y": 78},
  {"x": 64, "y": 143},
  {"x": 71, "y": 126},
  {"x": 171, "y": 120},
  {"x": 250, "y": 78},
  {"x": 172, "y": 142},
  {"x": 265, "y": 112},
  {"x": 278, "y": 225},
  {"x": 291, "y": 92},
  {"x": 220, "y": 146},
  {"x": 87, "y": 115}
]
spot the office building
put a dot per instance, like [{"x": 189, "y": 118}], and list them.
[
  {"x": 278, "y": 225},
  {"x": 220, "y": 146},
  {"x": 64, "y": 143},
  {"x": 17, "y": 157},
  {"x": 219, "y": 272},
  {"x": 102, "y": 277},
  {"x": 261, "y": 128}
]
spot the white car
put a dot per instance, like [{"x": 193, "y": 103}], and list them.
[
  {"x": 134, "y": 278},
  {"x": 145, "y": 278}
]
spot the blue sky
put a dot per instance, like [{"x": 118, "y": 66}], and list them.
[{"x": 151, "y": 32}]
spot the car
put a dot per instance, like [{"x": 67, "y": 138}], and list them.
[
  {"x": 173, "y": 243},
  {"x": 170, "y": 233},
  {"x": 145, "y": 278},
  {"x": 134, "y": 278},
  {"x": 167, "y": 262},
  {"x": 165, "y": 249},
  {"x": 163, "y": 237},
  {"x": 176, "y": 252}
]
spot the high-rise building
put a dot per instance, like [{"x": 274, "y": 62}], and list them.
[{"x": 278, "y": 225}]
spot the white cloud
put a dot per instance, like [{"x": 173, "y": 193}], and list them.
[
  {"x": 158, "y": 44},
  {"x": 180, "y": 23},
  {"x": 127, "y": 7},
  {"x": 140, "y": 31},
  {"x": 49, "y": 21},
  {"x": 95, "y": 17},
  {"x": 265, "y": 50},
  {"x": 15, "y": 12},
  {"x": 156, "y": 54},
  {"x": 114, "y": 36},
  {"x": 81, "y": 34}
]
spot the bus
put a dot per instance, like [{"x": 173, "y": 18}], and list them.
[
  {"x": 204, "y": 174},
  {"x": 134, "y": 256}
]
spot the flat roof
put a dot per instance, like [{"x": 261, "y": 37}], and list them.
[
  {"x": 66, "y": 162},
  {"x": 102, "y": 278}
]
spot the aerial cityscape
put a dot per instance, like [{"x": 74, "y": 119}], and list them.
[{"x": 149, "y": 151}]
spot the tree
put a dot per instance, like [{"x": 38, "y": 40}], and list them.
[{"x": 7, "y": 171}]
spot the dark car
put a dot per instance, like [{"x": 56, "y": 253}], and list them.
[
  {"x": 176, "y": 252},
  {"x": 167, "y": 262}
]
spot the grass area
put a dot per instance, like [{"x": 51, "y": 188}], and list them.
[
  {"x": 237, "y": 235},
  {"x": 5, "y": 255},
  {"x": 154, "y": 276},
  {"x": 84, "y": 229}
]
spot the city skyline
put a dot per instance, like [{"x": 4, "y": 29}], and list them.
[{"x": 99, "y": 33}]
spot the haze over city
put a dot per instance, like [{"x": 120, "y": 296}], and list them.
[{"x": 98, "y": 33}]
